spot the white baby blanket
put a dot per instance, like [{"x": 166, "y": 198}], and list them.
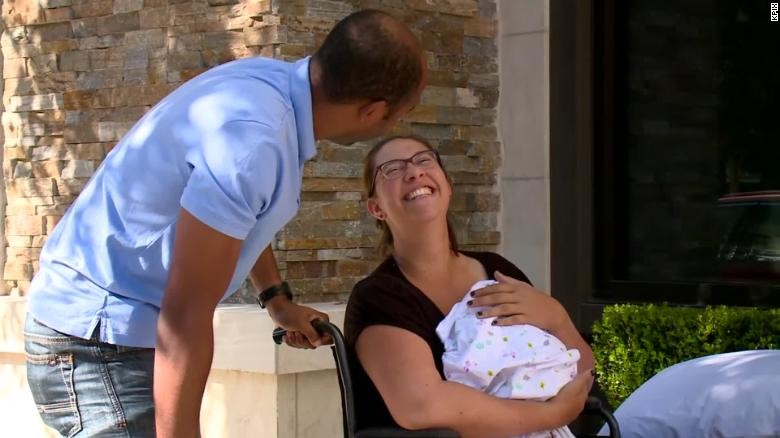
[{"x": 519, "y": 361}]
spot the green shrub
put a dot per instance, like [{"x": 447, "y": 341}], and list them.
[{"x": 634, "y": 342}]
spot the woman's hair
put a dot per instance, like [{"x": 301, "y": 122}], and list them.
[{"x": 369, "y": 169}]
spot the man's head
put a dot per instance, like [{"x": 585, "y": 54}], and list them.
[{"x": 369, "y": 72}]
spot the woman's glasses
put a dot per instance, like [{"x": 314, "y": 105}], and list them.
[{"x": 394, "y": 169}]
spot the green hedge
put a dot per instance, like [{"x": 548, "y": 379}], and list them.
[{"x": 634, "y": 342}]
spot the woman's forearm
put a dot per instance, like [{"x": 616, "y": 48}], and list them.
[
  {"x": 473, "y": 413},
  {"x": 571, "y": 338}
]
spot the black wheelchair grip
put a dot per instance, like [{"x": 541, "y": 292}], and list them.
[{"x": 318, "y": 324}]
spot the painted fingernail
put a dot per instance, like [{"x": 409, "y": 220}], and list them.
[
  {"x": 479, "y": 313},
  {"x": 495, "y": 321},
  {"x": 469, "y": 302},
  {"x": 471, "y": 293}
]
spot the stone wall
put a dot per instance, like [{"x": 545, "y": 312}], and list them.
[{"x": 79, "y": 73}]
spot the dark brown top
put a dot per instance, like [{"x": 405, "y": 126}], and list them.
[{"x": 386, "y": 297}]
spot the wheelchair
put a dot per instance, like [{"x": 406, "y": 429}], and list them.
[{"x": 593, "y": 406}]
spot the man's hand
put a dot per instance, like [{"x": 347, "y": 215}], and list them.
[{"x": 297, "y": 320}]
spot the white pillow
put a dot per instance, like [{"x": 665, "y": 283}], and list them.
[{"x": 721, "y": 396}]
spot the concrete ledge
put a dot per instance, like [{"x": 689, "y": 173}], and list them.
[{"x": 242, "y": 335}]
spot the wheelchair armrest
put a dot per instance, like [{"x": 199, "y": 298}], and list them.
[{"x": 390, "y": 432}]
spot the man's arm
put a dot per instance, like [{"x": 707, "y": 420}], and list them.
[
  {"x": 204, "y": 261},
  {"x": 265, "y": 272},
  {"x": 296, "y": 319}
]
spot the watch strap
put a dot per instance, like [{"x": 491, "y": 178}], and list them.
[{"x": 272, "y": 291}]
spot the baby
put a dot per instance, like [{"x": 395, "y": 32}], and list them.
[{"x": 518, "y": 361}]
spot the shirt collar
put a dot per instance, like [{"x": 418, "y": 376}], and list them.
[{"x": 300, "y": 92}]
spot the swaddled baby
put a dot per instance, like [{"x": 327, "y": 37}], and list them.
[{"x": 518, "y": 361}]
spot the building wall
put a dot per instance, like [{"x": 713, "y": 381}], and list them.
[
  {"x": 78, "y": 73},
  {"x": 524, "y": 126}
]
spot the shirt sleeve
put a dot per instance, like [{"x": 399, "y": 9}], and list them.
[
  {"x": 233, "y": 176},
  {"x": 382, "y": 301}
]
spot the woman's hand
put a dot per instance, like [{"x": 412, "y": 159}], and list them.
[
  {"x": 515, "y": 302},
  {"x": 570, "y": 400}
]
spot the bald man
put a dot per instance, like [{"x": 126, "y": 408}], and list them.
[{"x": 119, "y": 331}]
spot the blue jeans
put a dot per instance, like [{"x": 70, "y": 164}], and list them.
[{"x": 85, "y": 388}]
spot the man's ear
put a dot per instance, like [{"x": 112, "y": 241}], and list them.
[
  {"x": 374, "y": 209},
  {"x": 373, "y": 111}
]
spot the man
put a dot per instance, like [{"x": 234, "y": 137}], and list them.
[{"x": 119, "y": 332}]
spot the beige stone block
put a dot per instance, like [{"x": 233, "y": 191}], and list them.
[
  {"x": 55, "y": 210},
  {"x": 15, "y": 68},
  {"x": 37, "y": 102},
  {"x": 20, "y": 13},
  {"x": 30, "y": 187},
  {"x": 341, "y": 211},
  {"x": 24, "y": 225},
  {"x": 154, "y": 17},
  {"x": 101, "y": 42},
  {"x": 22, "y": 170},
  {"x": 55, "y": 3},
  {"x": 33, "y": 200},
  {"x": 59, "y": 46},
  {"x": 422, "y": 114},
  {"x": 54, "y": 15},
  {"x": 148, "y": 38},
  {"x": 78, "y": 169},
  {"x": 51, "y": 222},
  {"x": 479, "y": 27},
  {"x": 20, "y": 210},
  {"x": 18, "y": 241},
  {"x": 50, "y": 32},
  {"x": 46, "y": 169},
  {"x": 74, "y": 61},
  {"x": 38, "y": 241},
  {"x": 438, "y": 96},
  {"x": 112, "y": 131},
  {"x": 17, "y": 271},
  {"x": 118, "y": 23},
  {"x": 18, "y": 255},
  {"x": 265, "y": 35},
  {"x": 94, "y": 8},
  {"x": 466, "y": 8},
  {"x": 71, "y": 186},
  {"x": 16, "y": 153},
  {"x": 332, "y": 184},
  {"x": 86, "y": 99},
  {"x": 465, "y": 97},
  {"x": 80, "y": 133},
  {"x": 123, "y": 6}
]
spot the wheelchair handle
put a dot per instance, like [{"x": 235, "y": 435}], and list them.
[{"x": 322, "y": 327}]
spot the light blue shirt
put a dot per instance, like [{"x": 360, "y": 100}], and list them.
[{"x": 228, "y": 146}]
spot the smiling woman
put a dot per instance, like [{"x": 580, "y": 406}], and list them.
[{"x": 395, "y": 353}]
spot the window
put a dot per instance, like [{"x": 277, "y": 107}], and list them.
[{"x": 664, "y": 153}]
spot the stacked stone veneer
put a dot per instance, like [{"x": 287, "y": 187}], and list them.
[{"x": 77, "y": 75}]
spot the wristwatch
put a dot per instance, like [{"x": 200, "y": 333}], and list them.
[{"x": 272, "y": 291}]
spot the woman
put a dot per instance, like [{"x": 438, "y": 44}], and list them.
[{"x": 393, "y": 313}]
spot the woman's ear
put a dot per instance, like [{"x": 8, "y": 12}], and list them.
[
  {"x": 373, "y": 112},
  {"x": 374, "y": 209}
]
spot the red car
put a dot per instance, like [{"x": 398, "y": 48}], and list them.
[{"x": 750, "y": 243}]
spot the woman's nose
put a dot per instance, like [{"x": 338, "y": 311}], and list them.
[{"x": 413, "y": 171}]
